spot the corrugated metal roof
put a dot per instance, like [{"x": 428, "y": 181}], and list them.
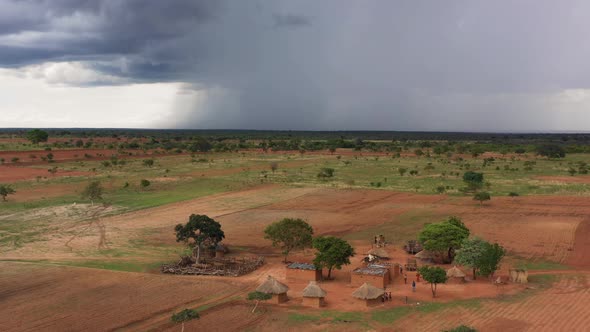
[
  {"x": 370, "y": 271},
  {"x": 301, "y": 266}
]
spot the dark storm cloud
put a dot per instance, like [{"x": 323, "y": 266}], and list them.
[
  {"x": 451, "y": 65},
  {"x": 290, "y": 20}
]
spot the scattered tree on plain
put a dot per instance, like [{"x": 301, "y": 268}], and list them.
[
  {"x": 37, "y": 135},
  {"x": 332, "y": 252},
  {"x": 551, "y": 151},
  {"x": 274, "y": 166},
  {"x": 325, "y": 173},
  {"x": 444, "y": 238},
  {"x": 433, "y": 275},
  {"x": 402, "y": 171},
  {"x": 5, "y": 190},
  {"x": 289, "y": 234},
  {"x": 199, "y": 230},
  {"x": 148, "y": 162},
  {"x": 93, "y": 191},
  {"x": 184, "y": 316},
  {"x": 481, "y": 197},
  {"x": 258, "y": 296},
  {"x": 144, "y": 183},
  {"x": 473, "y": 180}
]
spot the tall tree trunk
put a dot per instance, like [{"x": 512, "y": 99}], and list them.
[
  {"x": 329, "y": 273},
  {"x": 474, "y": 274},
  {"x": 198, "y": 253}
]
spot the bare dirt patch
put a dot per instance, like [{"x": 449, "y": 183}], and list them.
[{"x": 18, "y": 173}]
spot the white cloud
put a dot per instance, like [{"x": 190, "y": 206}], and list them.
[
  {"x": 68, "y": 73},
  {"x": 31, "y": 102}
]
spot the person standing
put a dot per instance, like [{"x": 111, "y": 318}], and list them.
[
  {"x": 413, "y": 286},
  {"x": 405, "y": 278}
]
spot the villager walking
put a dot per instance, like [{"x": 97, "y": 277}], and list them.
[{"x": 413, "y": 286}]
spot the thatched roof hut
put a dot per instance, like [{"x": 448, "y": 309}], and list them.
[
  {"x": 313, "y": 290},
  {"x": 455, "y": 275},
  {"x": 313, "y": 295},
  {"x": 274, "y": 287},
  {"x": 369, "y": 293},
  {"x": 425, "y": 255},
  {"x": 379, "y": 252}
]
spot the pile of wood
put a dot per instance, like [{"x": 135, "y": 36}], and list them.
[{"x": 233, "y": 267}]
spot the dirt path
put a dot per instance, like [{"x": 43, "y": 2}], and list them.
[{"x": 580, "y": 255}]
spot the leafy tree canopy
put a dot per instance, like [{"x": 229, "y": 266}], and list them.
[
  {"x": 473, "y": 180},
  {"x": 37, "y": 135},
  {"x": 470, "y": 254},
  {"x": 184, "y": 316},
  {"x": 490, "y": 260},
  {"x": 289, "y": 234},
  {"x": 332, "y": 252},
  {"x": 444, "y": 237},
  {"x": 199, "y": 230},
  {"x": 482, "y": 196},
  {"x": 433, "y": 275}
]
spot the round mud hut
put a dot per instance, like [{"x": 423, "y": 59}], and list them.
[
  {"x": 455, "y": 276},
  {"x": 313, "y": 295},
  {"x": 369, "y": 293},
  {"x": 277, "y": 289}
]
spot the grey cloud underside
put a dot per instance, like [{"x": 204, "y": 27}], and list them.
[{"x": 323, "y": 64}]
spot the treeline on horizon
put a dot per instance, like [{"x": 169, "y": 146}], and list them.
[{"x": 181, "y": 140}]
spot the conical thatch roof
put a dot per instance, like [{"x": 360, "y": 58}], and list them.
[
  {"x": 424, "y": 254},
  {"x": 272, "y": 286},
  {"x": 379, "y": 252},
  {"x": 313, "y": 290},
  {"x": 367, "y": 292},
  {"x": 454, "y": 272}
]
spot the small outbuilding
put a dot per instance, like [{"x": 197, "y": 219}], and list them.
[
  {"x": 375, "y": 275},
  {"x": 455, "y": 275},
  {"x": 313, "y": 295},
  {"x": 303, "y": 272},
  {"x": 369, "y": 293},
  {"x": 220, "y": 251},
  {"x": 277, "y": 289},
  {"x": 520, "y": 276}
]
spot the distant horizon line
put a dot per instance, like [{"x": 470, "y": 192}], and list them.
[{"x": 306, "y": 130}]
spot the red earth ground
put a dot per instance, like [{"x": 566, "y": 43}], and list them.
[{"x": 67, "y": 298}]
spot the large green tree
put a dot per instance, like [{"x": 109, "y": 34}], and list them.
[
  {"x": 433, "y": 275},
  {"x": 289, "y": 234},
  {"x": 490, "y": 260},
  {"x": 481, "y": 197},
  {"x": 37, "y": 135},
  {"x": 332, "y": 252},
  {"x": 199, "y": 230},
  {"x": 444, "y": 238},
  {"x": 184, "y": 316},
  {"x": 470, "y": 254},
  {"x": 5, "y": 190}
]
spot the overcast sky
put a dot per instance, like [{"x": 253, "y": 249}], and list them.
[{"x": 306, "y": 64}]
